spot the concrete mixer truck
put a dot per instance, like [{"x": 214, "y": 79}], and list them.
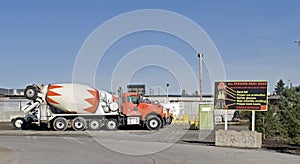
[{"x": 80, "y": 107}]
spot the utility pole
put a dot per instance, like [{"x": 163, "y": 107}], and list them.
[
  {"x": 200, "y": 55},
  {"x": 289, "y": 81}
]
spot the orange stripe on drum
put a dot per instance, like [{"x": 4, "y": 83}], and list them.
[
  {"x": 94, "y": 101},
  {"x": 51, "y": 93},
  {"x": 52, "y": 86},
  {"x": 51, "y": 101}
]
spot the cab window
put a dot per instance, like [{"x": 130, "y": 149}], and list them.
[{"x": 132, "y": 99}]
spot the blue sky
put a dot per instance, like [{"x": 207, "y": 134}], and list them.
[{"x": 39, "y": 41}]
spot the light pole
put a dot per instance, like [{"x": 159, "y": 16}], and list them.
[
  {"x": 167, "y": 85},
  {"x": 200, "y": 55}
]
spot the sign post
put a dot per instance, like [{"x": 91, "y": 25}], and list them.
[{"x": 253, "y": 120}]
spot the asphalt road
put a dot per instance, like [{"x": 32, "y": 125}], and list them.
[
  {"x": 130, "y": 146},
  {"x": 51, "y": 149}
]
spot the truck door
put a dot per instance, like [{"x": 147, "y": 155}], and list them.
[{"x": 130, "y": 105}]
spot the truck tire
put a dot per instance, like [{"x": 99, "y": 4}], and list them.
[
  {"x": 79, "y": 124},
  {"x": 18, "y": 123},
  {"x": 95, "y": 124},
  {"x": 153, "y": 122},
  {"x": 31, "y": 92},
  {"x": 60, "y": 124},
  {"x": 169, "y": 120},
  {"x": 111, "y": 124}
]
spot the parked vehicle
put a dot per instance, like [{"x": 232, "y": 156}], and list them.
[{"x": 80, "y": 107}]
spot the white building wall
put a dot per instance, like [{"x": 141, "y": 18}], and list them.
[{"x": 189, "y": 105}]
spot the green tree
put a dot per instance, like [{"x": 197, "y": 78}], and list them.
[
  {"x": 283, "y": 119},
  {"x": 268, "y": 123},
  {"x": 289, "y": 114},
  {"x": 279, "y": 87}
]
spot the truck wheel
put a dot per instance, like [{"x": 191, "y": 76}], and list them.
[
  {"x": 18, "y": 123},
  {"x": 169, "y": 120},
  {"x": 95, "y": 125},
  {"x": 153, "y": 122},
  {"x": 30, "y": 92},
  {"x": 60, "y": 124},
  {"x": 79, "y": 124},
  {"x": 111, "y": 124}
]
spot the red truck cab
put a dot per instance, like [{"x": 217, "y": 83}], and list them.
[{"x": 146, "y": 113}]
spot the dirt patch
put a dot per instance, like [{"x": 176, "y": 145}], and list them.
[
  {"x": 4, "y": 151},
  {"x": 6, "y": 126},
  {"x": 281, "y": 146},
  {"x": 6, "y": 154},
  {"x": 192, "y": 137}
]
